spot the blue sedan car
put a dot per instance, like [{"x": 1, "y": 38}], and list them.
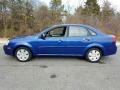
[{"x": 63, "y": 40}]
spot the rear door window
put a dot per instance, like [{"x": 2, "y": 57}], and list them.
[{"x": 77, "y": 31}]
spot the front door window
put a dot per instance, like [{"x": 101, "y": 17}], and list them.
[{"x": 57, "y": 32}]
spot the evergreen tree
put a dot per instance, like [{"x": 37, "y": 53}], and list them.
[
  {"x": 91, "y": 8},
  {"x": 56, "y": 8},
  {"x": 107, "y": 10}
]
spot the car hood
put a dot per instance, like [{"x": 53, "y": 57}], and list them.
[{"x": 22, "y": 37}]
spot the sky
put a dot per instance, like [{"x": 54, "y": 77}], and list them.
[{"x": 75, "y": 3}]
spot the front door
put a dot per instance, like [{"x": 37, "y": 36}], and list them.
[{"x": 54, "y": 42}]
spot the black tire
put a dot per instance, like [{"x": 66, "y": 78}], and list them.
[
  {"x": 97, "y": 56},
  {"x": 27, "y": 50}
]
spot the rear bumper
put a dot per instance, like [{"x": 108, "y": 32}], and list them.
[
  {"x": 8, "y": 50},
  {"x": 110, "y": 50}
]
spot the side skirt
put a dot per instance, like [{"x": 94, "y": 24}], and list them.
[{"x": 58, "y": 55}]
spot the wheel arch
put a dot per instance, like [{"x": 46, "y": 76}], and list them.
[
  {"x": 18, "y": 46},
  {"x": 96, "y": 46}
]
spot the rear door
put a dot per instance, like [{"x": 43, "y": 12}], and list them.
[{"x": 78, "y": 39}]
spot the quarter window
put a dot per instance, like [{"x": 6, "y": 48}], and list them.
[
  {"x": 75, "y": 31},
  {"x": 92, "y": 33}
]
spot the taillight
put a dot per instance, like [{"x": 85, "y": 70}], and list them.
[{"x": 114, "y": 38}]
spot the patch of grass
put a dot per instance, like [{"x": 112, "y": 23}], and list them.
[{"x": 101, "y": 62}]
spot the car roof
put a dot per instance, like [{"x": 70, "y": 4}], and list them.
[
  {"x": 67, "y": 24},
  {"x": 85, "y": 25}
]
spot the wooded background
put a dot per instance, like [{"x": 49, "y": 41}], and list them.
[{"x": 29, "y": 16}]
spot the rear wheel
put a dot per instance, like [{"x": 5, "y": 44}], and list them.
[
  {"x": 93, "y": 55},
  {"x": 23, "y": 54}
]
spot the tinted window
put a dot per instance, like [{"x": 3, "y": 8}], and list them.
[
  {"x": 57, "y": 32},
  {"x": 75, "y": 31}
]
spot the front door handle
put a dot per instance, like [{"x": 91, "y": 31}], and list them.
[
  {"x": 87, "y": 39},
  {"x": 60, "y": 41}
]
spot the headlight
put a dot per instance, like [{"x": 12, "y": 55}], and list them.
[{"x": 7, "y": 42}]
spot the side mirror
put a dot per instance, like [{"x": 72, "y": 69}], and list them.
[{"x": 43, "y": 36}]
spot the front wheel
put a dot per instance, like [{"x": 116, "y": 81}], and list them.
[
  {"x": 23, "y": 54},
  {"x": 93, "y": 55}
]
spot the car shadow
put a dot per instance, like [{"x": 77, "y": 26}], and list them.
[{"x": 58, "y": 58}]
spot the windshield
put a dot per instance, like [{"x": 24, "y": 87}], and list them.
[{"x": 37, "y": 33}]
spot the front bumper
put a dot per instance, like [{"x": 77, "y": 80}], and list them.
[{"x": 8, "y": 50}]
